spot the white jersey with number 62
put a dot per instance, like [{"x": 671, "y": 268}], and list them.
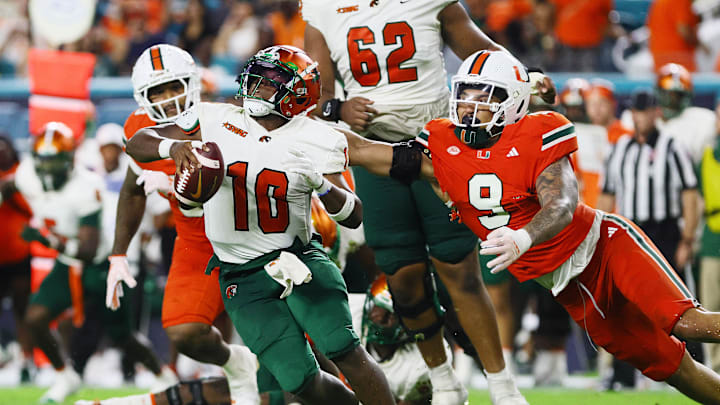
[{"x": 386, "y": 50}]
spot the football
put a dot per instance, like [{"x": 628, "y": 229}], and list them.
[{"x": 194, "y": 188}]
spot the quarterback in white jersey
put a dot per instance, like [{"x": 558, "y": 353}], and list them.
[
  {"x": 277, "y": 282},
  {"x": 282, "y": 215}
]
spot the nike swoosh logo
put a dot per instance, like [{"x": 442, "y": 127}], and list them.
[{"x": 196, "y": 194}]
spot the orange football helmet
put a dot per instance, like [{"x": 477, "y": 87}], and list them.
[
  {"x": 674, "y": 89},
  {"x": 53, "y": 150}
]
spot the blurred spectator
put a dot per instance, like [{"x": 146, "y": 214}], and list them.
[
  {"x": 709, "y": 180},
  {"x": 286, "y": 23},
  {"x": 131, "y": 26},
  {"x": 581, "y": 26},
  {"x": 572, "y": 99},
  {"x": 592, "y": 140},
  {"x": 506, "y": 21},
  {"x": 241, "y": 35},
  {"x": 673, "y": 33},
  {"x": 601, "y": 106},
  {"x": 692, "y": 127},
  {"x": 14, "y": 251},
  {"x": 197, "y": 34},
  {"x": 14, "y": 37}
]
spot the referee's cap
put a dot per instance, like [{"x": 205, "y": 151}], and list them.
[{"x": 642, "y": 99}]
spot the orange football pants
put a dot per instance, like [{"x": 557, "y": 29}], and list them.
[
  {"x": 191, "y": 296},
  {"x": 629, "y": 298}
]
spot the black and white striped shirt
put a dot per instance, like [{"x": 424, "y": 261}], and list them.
[{"x": 648, "y": 179}]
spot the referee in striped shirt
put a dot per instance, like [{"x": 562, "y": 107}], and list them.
[{"x": 650, "y": 179}]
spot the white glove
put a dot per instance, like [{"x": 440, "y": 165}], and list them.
[
  {"x": 119, "y": 272},
  {"x": 288, "y": 270},
  {"x": 507, "y": 245},
  {"x": 301, "y": 164},
  {"x": 536, "y": 79},
  {"x": 153, "y": 181}
]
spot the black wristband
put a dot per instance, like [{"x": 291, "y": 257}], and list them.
[
  {"x": 535, "y": 70},
  {"x": 331, "y": 109}
]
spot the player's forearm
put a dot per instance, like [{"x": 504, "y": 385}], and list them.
[
  {"x": 375, "y": 157},
  {"x": 690, "y": 201},
  {"x": 143, "y": 146},
  {"x": 130, "y": 210},
  {"x": 558, "y": 195},
  {"x": 343, "y": 206}
]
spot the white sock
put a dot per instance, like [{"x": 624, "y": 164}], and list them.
[
  {"x": 501, "y": 375},
  {"x": 443, "y": 376}
]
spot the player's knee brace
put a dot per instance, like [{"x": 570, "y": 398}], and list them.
[{"x": 428, "y": 302}]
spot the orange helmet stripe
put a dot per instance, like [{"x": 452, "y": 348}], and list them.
[
  {"x": 478, "y": 63},
  {"x": 156, "y": 58}
]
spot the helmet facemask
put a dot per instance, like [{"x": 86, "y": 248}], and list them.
[
  {"x": 53, "y": 169},
  {"x": 184, "y": 102},
  {"x": 260, "y": 73},
  {"x": 380, "y": 324},
  {"x": 484, "y": 97}
]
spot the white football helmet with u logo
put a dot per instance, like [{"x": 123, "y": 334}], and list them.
[
  {"x": 160, "y": 64},
  {"x": 505, "y": 91}
]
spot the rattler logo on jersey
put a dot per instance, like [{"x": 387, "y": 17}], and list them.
[
  {"x": 235, "y": 130},
  {"x": 265, "y": 139},
  {"x": 230, "y": 291}
]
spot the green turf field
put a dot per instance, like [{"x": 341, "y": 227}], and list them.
[{"x": 28, "y": 396}]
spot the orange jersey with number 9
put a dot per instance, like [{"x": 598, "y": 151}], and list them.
[{"x": 495, "y": 187}]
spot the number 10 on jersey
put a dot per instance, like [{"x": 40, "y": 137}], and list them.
[{"x": 485, "y": 194}]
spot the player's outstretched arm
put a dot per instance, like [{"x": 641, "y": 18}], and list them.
[
  {"x": 377, "y": 157},
  {"x": 162, "y": 142},
  {"x": 557, "y": 192},
  {"x": 337, "y": 201}
]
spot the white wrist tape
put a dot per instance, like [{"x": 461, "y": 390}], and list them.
[
  {"x": 71, "y": 247},
  {"x": 324, "y": 188},
  {"x": 346, "y": 209},
  {"x": 164, "y": 148}
]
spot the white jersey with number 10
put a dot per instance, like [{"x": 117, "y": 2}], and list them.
[{"x": 260, "y": 207}]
